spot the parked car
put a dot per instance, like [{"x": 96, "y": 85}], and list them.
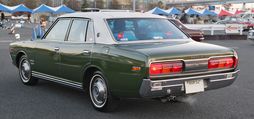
[
  {"x": 248, "y": 16},
  {"x": 237, "y": 20},
  {"x": 251, "y": 35},
  {"x": 196, "y": 35},
  {"x": 123, "y": 55}
]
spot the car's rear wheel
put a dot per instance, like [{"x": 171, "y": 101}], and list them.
[
  {"x": 25, "y": 72},
  {"x": 101, "y": 98}
]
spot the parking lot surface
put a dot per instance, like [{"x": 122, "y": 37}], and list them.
[{"x": 48, "y": 100}]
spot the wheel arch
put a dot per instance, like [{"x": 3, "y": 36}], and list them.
[
  {"x": 88, "y": 73},
  {"x": 18, "y": 56}
]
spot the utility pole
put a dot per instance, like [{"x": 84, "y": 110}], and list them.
[{"x": 134, "y": 5}]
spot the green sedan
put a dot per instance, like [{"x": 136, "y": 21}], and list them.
[{"x": 115, "y": 55}]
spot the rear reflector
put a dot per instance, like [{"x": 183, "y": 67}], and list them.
[
  {"x": 159, "y": 68},
  {"x": 222, "y": 63}
]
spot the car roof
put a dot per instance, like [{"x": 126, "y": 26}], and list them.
[
  {"x": 108, "y": 15},
  {"x": 102, "y": 31}
]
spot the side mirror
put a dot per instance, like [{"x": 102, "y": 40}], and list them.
[{"x": 17, "y": 36}]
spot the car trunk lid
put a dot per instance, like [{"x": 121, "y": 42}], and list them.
[{"x": 195, "y": 55}]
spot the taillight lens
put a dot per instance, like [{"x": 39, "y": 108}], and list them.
[
  {"x": 159, "y": 68},
  {"x": 222, "y": 63}
]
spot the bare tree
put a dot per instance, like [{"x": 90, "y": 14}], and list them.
[
  {"x": 31, "y": 3},
  {"x": 73, "y": 4},
  {"x": 13, "y": 2},
  {"x": 65, "y": 2},
  {"x": 46, "y": 2},
  {"x": 160, "y": 4},
  {"x": 84, "y": 5}
]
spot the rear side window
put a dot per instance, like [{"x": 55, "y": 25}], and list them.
[
  {"x": 58, "y": 32},
  {"x": 90, "y": 33},
  {"x": 78, "y": 30},
  {"x": 135, "y": 29}
]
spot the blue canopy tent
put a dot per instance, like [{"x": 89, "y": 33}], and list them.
[
  {"x": 173, "y": 10},
  {"x": 43, "y": 9},
  {"x": 191, "y": 11},
  {"x": 4, "y": 8},
  {"x": 62, "y": 9},
  {"x": 158, "y": 11},
  {"x": 20, "y": 8},
  {"x": 207, "y": 12}
]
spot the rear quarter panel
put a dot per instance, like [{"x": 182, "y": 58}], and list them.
[{"x": 116, "y": 65}]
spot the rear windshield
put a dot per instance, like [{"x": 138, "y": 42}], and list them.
[{"x": 136, "y": 29}]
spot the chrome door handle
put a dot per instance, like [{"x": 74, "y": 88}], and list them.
[
  {"x": 86, "y": 52},
  {"x": 56, "y": 49}
]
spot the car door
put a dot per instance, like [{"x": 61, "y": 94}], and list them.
[
  {"x": 47, "y": 55},
  {"x": 76, "y": 50}
]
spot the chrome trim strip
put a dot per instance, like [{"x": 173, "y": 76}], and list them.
[
  {"x": 197, "y": 73},
  {"x": 216, "y": 80},
  {"x": 221, "y": 56},
  {"x": 62, "y": 79},
  {"x": 155, "y": 61},
  {"x": 56, "y": 79},
  {"x": 168, "y": 86},
  {"x": 203, "y": 76},
  {"x": 155, "y": 88},
  {"x": 152, "y": 60}
]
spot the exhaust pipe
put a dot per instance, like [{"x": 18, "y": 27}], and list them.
[{"x": 168, "y": 99}]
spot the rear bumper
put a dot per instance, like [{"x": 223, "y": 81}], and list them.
[{"x": 175, "y": 86}]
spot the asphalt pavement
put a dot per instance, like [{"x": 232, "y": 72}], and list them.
[{"x": 48, "y": 100}]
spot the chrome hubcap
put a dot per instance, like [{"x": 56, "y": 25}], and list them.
[
  {"x": 98, "y": 91},
  {"x": 25, "y": 70}
]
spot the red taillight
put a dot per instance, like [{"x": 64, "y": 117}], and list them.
[
  {"x": 166, "y": 68},
  {"x": 222, "y": 63}
]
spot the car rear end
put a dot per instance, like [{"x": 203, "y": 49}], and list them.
[
  {"x": 176, "y": 65},
  {"x": 189, "y": 75}
]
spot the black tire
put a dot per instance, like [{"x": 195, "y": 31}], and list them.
[
  {"x": 25, "y": 71},
  {"x": 98, "y": 88}
]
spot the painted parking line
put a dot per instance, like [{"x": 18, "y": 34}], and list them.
[{"x": 5, "y": 41}]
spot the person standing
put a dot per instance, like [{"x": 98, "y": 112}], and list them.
[
  {"x": 29, "y": 18},
  {"x": 184, "y": 18},
  {"x": 43, "y": 24},
  {"x": 2, "y": 16}
]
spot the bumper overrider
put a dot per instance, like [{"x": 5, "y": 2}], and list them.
[{"x": 176, "y": 86}]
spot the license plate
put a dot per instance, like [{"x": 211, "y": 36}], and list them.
[{"x": 194, "y": 86}]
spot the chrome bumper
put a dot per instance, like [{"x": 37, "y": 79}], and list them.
[{"x": 175, "y": 86}]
